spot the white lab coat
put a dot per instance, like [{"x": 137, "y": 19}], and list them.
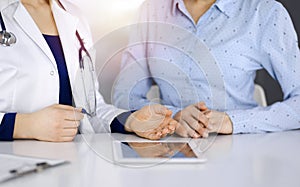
[{"x": 29, "y": 78}]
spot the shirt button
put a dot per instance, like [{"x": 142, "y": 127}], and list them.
[{"x": 51, "y": 73}]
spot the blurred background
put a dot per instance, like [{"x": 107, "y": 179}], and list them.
[
  {"x": 109, "y": 22},
  {"x": 106, "y": 17}
]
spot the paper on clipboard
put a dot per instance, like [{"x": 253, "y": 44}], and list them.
[{"x": 13, "y": 166}]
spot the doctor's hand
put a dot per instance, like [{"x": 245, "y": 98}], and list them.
[
  {"x": 56, "y": 123},
  {"x": 152, "y": 122},
  {"x": 193, "y": 121}
]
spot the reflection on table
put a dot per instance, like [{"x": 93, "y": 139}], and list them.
[{"x": 239, "y": 160}]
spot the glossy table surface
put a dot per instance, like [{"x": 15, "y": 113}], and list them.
[{"x": 239, "y": 160}]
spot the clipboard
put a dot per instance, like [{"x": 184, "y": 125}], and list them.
[{"x": 14, "y": 166}]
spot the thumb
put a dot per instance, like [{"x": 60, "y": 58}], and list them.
[{"x": 201, "y": 106}]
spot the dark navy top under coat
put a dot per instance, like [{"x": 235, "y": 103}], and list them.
[{"x": 65, "y": 93}]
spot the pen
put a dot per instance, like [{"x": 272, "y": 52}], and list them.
[
  {"x": 26, "y": 169},
  {"x": 85, "y": 112}
]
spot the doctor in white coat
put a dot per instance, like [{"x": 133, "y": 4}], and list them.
[{"x": 30, "y": 80}]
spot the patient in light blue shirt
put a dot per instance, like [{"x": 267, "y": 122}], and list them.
[{"x": 204, "y": 61}]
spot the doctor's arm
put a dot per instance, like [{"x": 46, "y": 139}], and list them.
[{"x": 56, "y": 123}]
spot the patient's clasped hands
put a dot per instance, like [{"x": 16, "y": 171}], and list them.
[
  {"x": 194, "y": 121},
  {"x": 198, "y": 121}
]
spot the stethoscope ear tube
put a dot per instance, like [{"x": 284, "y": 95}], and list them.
[
  {"x": 6, "y": 38},
  {"x": 2, "y": 23}
]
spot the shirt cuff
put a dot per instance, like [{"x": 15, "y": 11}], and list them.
[
  {"x": 118, "y": 124},
  {"x": 7, "y": 127},
  {"x": 241, "y": 121}
]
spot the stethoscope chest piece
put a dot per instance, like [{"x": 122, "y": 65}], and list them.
[{"x": 7, "y": 38}]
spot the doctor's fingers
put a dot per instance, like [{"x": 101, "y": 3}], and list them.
[
  {"x": 65, "y": 139},
  {"x": 69, "y": 132},
  {"x": 66, "y": 112},
  {"x": 68, "y": 124},
  {"x": 66, "y": 107},
  {"x": 72, "y": 115}
]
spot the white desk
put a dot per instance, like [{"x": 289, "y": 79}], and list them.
[{"x": 239, "y": 160}]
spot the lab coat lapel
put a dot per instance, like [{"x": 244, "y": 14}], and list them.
[
  {"x": 66, "y": 25},
  {"x": 28, "y": 25}
]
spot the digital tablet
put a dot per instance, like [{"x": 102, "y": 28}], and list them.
[{"x": 155, "y": 152}]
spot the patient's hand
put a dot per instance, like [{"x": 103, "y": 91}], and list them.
[
  {"x": 220, "y": 122},
  {"x": 193, "y": 121},
  {"x": 152, "y": 122}
]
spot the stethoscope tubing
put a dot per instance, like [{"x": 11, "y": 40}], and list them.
[
  {"x": 2, "y": 22},
  {"x": 82, "y": 47}
]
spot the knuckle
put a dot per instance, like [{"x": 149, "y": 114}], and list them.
[
  {"x": 185, "y": 115},
  {"x": 204, "y": 120}
]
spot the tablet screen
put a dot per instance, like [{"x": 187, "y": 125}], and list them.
[{"x": 156, "y": 150}]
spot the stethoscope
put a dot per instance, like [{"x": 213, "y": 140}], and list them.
[
  {"x": 85, "y": 63},
  {"x": 6, "y": 38}
]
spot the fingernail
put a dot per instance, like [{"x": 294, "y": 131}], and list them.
[
  {"x": 205, "y": 135},
  {"x": 196, "y": 135}
]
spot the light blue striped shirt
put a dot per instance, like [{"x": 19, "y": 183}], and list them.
[{"x": 242, "y": 36}]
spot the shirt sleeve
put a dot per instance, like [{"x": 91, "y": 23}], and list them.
[
  {"x": 118, "y": 124},
  {"x": 134, "y": 80},
  {"x": 279, "y": 46},
  {"x": 7, "y": 127}
]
